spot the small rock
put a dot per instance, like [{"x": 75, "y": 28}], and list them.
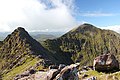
[
  {"x": 61, "y": 66},
  {"x": 84, "y": 76},
  {"x": 53, "y": 67},
  {"x": 92, "y": 78},
  {"x": 32, "y": 71}
]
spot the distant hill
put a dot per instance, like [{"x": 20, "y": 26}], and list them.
[
  {"x": 3, "y": 35},
  {"x": 39, "y": 36},
  {"x": 84, "y": 43},
  {"x": 1, "y": 38},
  {"x": 43, "y": 37}
]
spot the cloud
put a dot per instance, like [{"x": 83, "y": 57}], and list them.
[
  {"x": 114, "y": 28},
  {"x": 37, "y": 15},
  {"x": 96, "y": 14}
]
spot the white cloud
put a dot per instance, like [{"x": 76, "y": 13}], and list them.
[
  {"x": 4, "y": 27},
  {"x": 114, "y": 28},
  {"x": 37, "y": 15},
  {"x": 96, "y": 14}
]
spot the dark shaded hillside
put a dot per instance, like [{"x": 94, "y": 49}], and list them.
[
  {"x": 84, "y": 43},
  {"x": 19, "y": 51}
]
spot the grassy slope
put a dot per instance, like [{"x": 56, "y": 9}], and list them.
[
  {"x": 101, "y": 76},
  {"x": 17, "y": 70},
  {"x": 84, "y": 43}
]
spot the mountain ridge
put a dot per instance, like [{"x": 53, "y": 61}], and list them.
[
  {"x": 19, "y": 51},
  {"x": 86, "y": 42}
]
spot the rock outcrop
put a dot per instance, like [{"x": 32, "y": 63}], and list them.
[
  {"x": 68, "y": 73},
  {"x": 106, "y": 62},
  {"x": 64, "y": 73}
]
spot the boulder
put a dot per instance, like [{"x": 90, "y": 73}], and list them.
[
  {"x": 61, "y": 66},
  {"x": 68, "y": 73},
  {"x": 106, "y": 62},
  {"x": 53, "y": 67},
  {"x": 51, "y": 74},
  {"x": 32, "y": 71}
]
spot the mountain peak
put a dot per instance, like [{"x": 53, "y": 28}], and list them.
[
  {"x": 84, "y": 43},
  {"x": 20, "y": 33},
  {"x": 19, "y": 49},
  {"x": 87, "y": 24},
  {"x": 21, "y": 37},
  {"x": 20, "y": 29},
  {"x": 84, "y": 28}
]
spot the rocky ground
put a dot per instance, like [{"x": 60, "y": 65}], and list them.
[
  {"x": 99, "y": 71},
  {"x": 53, "y": 73},
  {"x": 85, "y": 73}
]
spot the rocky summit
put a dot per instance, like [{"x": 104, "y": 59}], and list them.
[{"x": 106, "y": 62}]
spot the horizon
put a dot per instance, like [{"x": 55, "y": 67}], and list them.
[
  {"x": 58, "y": 15},
  {"x": 59, "y": 32}
]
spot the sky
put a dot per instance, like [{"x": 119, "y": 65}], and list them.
[{"x": 58, "y": 15}]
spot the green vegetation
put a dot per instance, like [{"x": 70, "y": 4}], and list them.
[
  {"x": 19, "y": 51},
  {"x": 28, "y": 63},
  {"x": 101, "y": 75},
  {"x": 84, "y": 43}
]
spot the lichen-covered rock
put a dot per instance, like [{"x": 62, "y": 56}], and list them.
[
  {"x": 68, "y": 73},
  {"x": 51, "y": 74},
  {"x": 106, "y": 62}
]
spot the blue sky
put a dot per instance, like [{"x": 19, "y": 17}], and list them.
[
  {"x": 99, "y": 12},
  {"x": 58, "y": 15}
]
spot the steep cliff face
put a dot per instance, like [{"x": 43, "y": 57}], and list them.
[
  {"x": 84, "y": 43},
  {"x": 19, "y": 51}
]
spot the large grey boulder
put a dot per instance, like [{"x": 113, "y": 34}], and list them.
[{"x": 106, "y": 62}]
